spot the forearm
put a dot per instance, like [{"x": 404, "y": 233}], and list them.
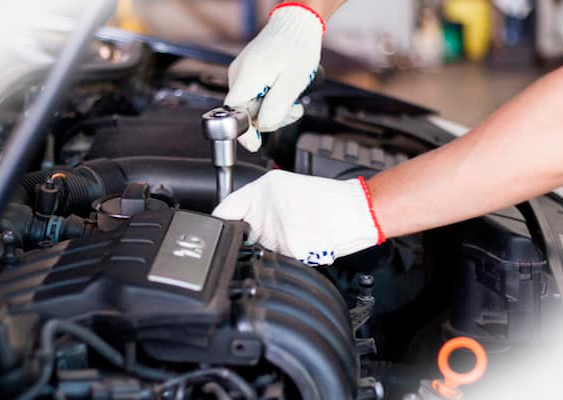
[
  {"x": 515, "y": 155},
  {"x": 324, "y": 7}
]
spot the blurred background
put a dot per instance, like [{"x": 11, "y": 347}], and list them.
[{"x": 463, "y": 58}]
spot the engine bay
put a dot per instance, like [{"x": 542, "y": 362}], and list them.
[{"x": 116, "y": 283}]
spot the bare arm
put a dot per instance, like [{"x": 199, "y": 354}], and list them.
[
  {"x": 324, "y": 7},
  {"x": 515, "y": 155}
]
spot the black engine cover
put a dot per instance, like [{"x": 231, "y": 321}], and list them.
[
  {"x": 182, "y": 286},
  {"x": 129, "y": 273}
]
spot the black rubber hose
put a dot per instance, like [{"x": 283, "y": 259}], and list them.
[
  {"x": 81, "y": 188},
  {"x": 47, "y": 351},
  {"x": 47, "y": 355},
  {"x": 216, "y": 390},
  {"x": 202, "y": 375},
  {"x": 25, "y": 191},
  {"x": 190, "y": 181}
]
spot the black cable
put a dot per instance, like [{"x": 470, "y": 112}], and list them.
[
  {"x": 47, "y": 351},
  {"x": 54, "y": 327},
  {"x": 202, "y": 375},
  {"x": 216, "y": 390},
  {"x": 47, "y": 357},
  {"x": 148, "y": 374}
]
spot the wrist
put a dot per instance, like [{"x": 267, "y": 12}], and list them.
[
  {"x": 303, "y": 6},
  {"x": 381, "y": 238},
  {"x": 325, "y": 8},
  {"x": 344, "y": 214}
]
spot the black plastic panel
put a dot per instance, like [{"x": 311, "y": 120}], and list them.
[{"x": 331, "y": 157}]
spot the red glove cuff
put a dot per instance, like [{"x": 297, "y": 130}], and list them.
[
  {"x": 380, "y": 235},
  {"x": 303, "y": 6}
]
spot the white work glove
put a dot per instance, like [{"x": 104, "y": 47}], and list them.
[
  {"x": 274, "y": 69},
  {"x": 314, "y": 220}
]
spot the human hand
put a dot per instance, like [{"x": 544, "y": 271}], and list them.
[
  {"x": 314, "y": 220},
  {"x": 274, "y": 69}
]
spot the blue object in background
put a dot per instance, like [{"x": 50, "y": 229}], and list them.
[
  {"x": 250, "y": 18},
  {"x": 515, "y": 30}
]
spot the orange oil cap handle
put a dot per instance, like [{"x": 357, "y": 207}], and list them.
[{"x": 454, "y": 379}]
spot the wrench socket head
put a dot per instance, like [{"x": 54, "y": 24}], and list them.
[{"x": 224, "y": 123}]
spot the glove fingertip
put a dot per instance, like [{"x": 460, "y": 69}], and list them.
[
  {"x": 220, "y": 212},
  {"x": 251, "y": 140},
  {"x": 297, "y": 111}
]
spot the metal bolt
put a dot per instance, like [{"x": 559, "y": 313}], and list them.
[
  {"x": 365, "y": 297},
  {"x": 8, "y": 237},
  {"x": 258, "y": 253},
  {"x": 366, "y": 281},
  {"x": 9, "y": 240}
]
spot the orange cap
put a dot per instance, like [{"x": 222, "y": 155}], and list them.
[{"x": 452, "y": 380}]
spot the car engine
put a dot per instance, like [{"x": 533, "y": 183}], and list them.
[{"x": 117, "y": 283}]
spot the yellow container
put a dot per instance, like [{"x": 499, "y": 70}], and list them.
[
  {"x": 476, "y": 18},
  {"x": 126, "y": 18}
]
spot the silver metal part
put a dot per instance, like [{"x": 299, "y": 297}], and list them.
[
  {"x": 222, "y": 126},
  {"x": 224, "y": 182},
  {"x": 186, "y": 254},
  {"x": 224, "y": 153},
  {"x": 224, "y": 123}
]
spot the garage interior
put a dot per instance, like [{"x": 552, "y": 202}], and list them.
[{"x": 411, "y": 49}]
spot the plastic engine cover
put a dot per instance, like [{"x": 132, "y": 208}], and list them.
[{"x": 182, "y": 286}]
